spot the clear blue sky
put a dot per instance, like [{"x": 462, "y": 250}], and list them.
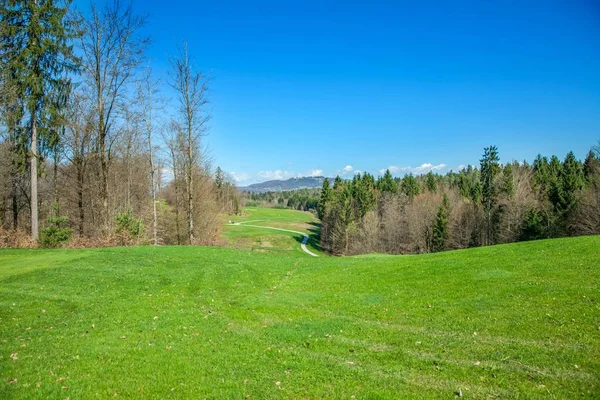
[{"x": 305, "y": 87}]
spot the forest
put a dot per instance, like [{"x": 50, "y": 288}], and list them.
[
  {"x": 92, "y": 152},
  {"x": 477, "y": 206}
]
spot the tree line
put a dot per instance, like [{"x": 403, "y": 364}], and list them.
[
  {"x": 477, "y": 206},
  {"x": 299, "y": 199},
  {"x": 90, "y": 150}
]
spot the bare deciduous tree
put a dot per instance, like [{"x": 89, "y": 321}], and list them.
[
  {"x": 112, "y": 49},
  {"x": 191, "y": 87},
  {"x": 148, "y": 103},
  {"x": 78, "y": 145}
]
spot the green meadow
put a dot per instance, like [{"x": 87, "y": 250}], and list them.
[{"x": 509, "y": 321}]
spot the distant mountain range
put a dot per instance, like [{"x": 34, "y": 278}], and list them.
[{"x": 307, "y": 182}]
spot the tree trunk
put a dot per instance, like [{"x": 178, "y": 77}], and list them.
[
  {"x": 176, "y": 202},
  {"x": 104, "y": 188},
  {"x": 34, "y": 189},
  {"x": 128, "y": 171},
  {"x": 190, "y": 205},
  {"x": 102, "y": 150},
  {"x": 154, "y": 214},
  {"x": 55, "y": 183},
  {"x": 14, "y": 196},
  {"x": 190, "y": 188},
  {"x": 153, "y": 182},
  {"x": 80, "y": 181}
]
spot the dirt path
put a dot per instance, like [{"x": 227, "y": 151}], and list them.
[{"x": 302, "y": 245}]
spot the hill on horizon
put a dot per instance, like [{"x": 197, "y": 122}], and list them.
[{"x": 304, "y": 182}]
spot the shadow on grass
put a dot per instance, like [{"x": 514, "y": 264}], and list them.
[{"x": 314, "y": 236}]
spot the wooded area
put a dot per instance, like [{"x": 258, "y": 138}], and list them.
[
  {"x": 92, "y": 152},
  {"x": 89, "y": 147},
  {"x": 488, "y": 205},
  {"x": 299, "y": 199}
]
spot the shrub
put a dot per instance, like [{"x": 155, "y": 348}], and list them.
[
  {"x": 128, "y": 227},
  {"x": 15, "y": 239},
  {"x": 56, "y": 234}
]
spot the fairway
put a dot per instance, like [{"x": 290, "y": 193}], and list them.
[
  {"x": 508, "y": 321},
  {"x": 249, "y": 235}
]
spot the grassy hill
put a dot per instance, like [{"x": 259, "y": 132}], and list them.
[{"x": 508, "y": 321}]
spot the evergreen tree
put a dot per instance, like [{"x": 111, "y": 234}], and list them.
[
  {"x": 387, "y": 184},
  {"x": 363, "y": 195},
  {"x": 490, "y": 167},
  {"x": 533, "y": 226},
  {"x": 591, "y": 168},
  {"x": 325, "y": 199},
  {"x": 430, "y": 182},
  {"x": 572, "y": 180},
  {"x": 38, "y": 36},
  {"x": 219, "y": 178},
  {"x": 508, "y": 185},
  {"x": 464, "y": 184},
  {"x": 476, "y": 192},
  {"x": 541, "y": 171},
  {"x": 555, "y": 194},
  {"x": 410, "y": 186},
  {"x": 337, "y": 183},
  {"x": 440, "y": 230}
]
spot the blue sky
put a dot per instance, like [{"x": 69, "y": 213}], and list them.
[{"x": 328, "y": 87}]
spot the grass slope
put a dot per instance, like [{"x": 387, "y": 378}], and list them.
[{"x": 508, "y": 321}]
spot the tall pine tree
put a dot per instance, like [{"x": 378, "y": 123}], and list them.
[
  {"x": 410, "y": 186},
  {"x": 325, "y": 200},
  {"x": 490, "y": 167},
  {"x": 387, "y": 184},
  {"x": 39, "y": 34},
  {"x": 440, "y": 229}
]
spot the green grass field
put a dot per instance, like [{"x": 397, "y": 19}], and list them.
[
  {"x": 269, "y": 241},
  {"x": 511, "y": 321}
]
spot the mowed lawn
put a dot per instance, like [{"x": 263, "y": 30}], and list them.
[
  {"x": 272, "y": 241},
  {"x": 511, "y": 321}
]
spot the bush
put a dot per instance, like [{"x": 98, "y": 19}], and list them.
[
  {"x": 128, "y": 227},
  {"x": 57, "y": 234},
  {"x": 15, "y": 239}
]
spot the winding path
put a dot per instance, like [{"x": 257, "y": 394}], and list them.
[{"x": 302, "y": 245}]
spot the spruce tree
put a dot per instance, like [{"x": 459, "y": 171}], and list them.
[
  {"x": 440, "y": 230},
  {"x": 430, "y": 182},
  {"x": 410, "y": 186},
  {"x": 591, "y": 166},
  {"x": 363, "y": 195},
  {"x": 39, "y": 34},
  {"x": 571, "y": 180},
  {"x": 325, "y": 199},
  {"x": 219, "y": 178},
  {"x": 490, "y": 167},
  {"x": 508, "y": 185},
  {"x": 387, "y": 184},
  {"x": 541, "y": 172}
]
